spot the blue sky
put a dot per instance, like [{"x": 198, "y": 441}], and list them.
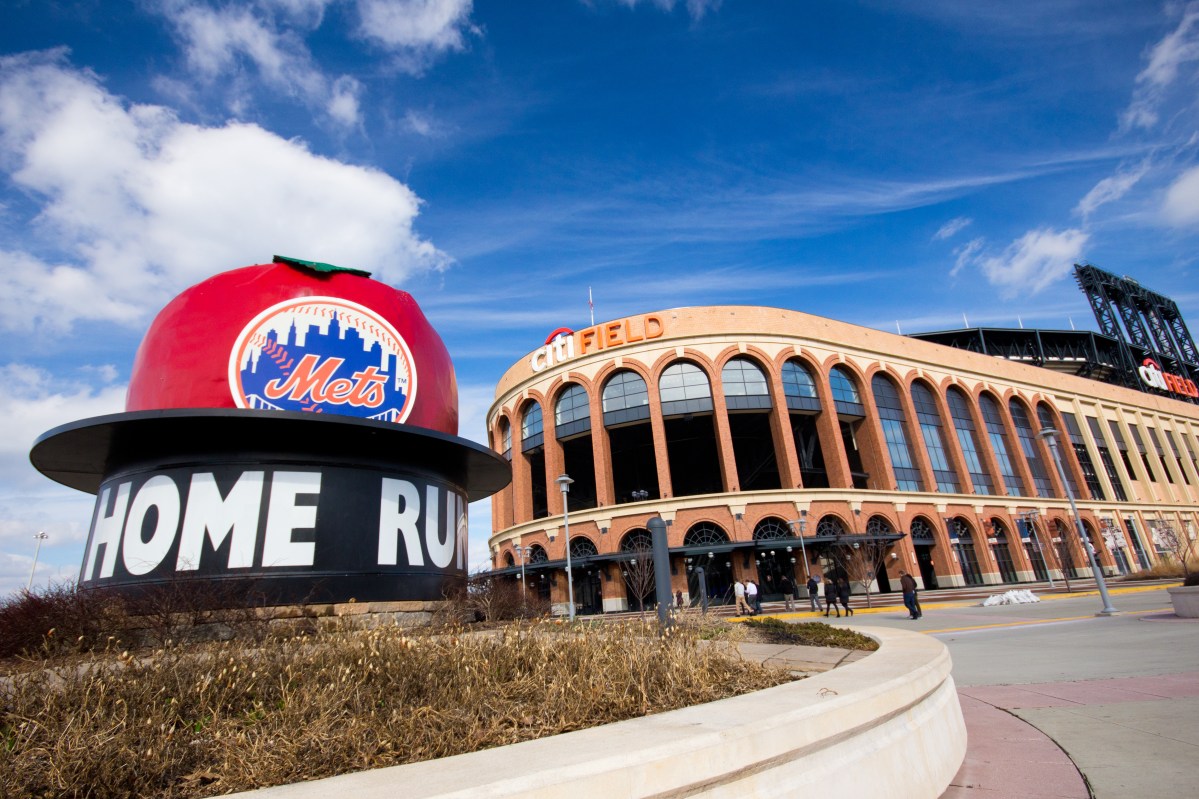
[{"x": 877, "y": 162}]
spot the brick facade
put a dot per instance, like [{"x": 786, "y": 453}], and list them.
[{"x": 1161, "y": 488}]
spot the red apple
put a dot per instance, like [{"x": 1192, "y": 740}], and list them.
[{"x": 293, "y": 335}]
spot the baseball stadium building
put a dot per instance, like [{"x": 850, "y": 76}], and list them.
[{"x": 770, "y": 440}]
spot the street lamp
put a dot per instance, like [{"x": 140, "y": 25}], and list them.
[
  {"x": 564, "y": 484},
  {"x": 803, "y": 523},
  {"x": 524, "y": 588},
  {"x": 1050, "y": 437},
  {"x": 40, "y": 537}
]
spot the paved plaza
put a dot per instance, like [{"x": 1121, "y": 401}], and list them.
[{"x": 1056, "y": 698}]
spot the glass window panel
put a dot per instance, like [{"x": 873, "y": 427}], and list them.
[
  {"x": 797, "y": 381},
  {"x": 625, "y": 390}
]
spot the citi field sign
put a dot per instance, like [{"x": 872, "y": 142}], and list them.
[
  {"x": 565, "y": 344},
  {"x": 1152, "y": 375},
  {"x": 290, "y": 431}
]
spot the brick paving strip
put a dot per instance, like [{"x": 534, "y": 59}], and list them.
[{"x": 1097, "y": 722}]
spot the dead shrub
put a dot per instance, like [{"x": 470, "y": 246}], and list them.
[
  {"x": 57, "y": 620},
  {"x": 226, "y": 717}
]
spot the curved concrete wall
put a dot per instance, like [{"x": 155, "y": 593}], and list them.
[{"x": 888, "y": 725}]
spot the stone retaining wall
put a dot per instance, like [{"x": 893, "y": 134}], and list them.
[{"x": 888, "y": 725}]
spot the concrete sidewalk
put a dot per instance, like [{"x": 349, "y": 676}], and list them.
[
  {"x": 1059, "y": 702},
  {"x": 1130, "y": 737}
]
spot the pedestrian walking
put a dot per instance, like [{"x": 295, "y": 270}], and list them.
[
  {"x": 908, "y": 584},
  {"x": 830, "y": 597},
  {"x": 739, "y": 593},
  {"x": 814, "y": 592},
  {"x": 753, "y": 597},
  {"x": 788, "y": 589},
  {"x": 843, "y": 595}
]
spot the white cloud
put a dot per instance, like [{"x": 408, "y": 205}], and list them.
[
  {"x": 696, "y": 9},
  {"x": 221, "y": 42},
  {"x": 1181, "y": 204},
  {"x": 344, "y": 103},
  {"x": 417, "y": 30},
  {"x": 34, "y": 402},
  {"x": 951, "y": 228},
  {"x": 421, "y": 124},
  {"x": 139, "y": 205},
  {"x": 1034, "y": 261},
  {"x": 1110, "y": 189},
  {"x": 1179, "y": 47},
  {"x": 966, "y": 255}
]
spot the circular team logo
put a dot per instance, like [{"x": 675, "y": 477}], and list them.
[{"x": 323, "y": 355}]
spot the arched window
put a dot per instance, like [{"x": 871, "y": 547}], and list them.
[
  {"x": 845, "y": 392},
  {"x": 922, "y": 532},
  {"x": 878, "y": 525},
  {"x": 929, "y": 418},
  {"x": 1028, "y": 444},
  {"x": 684, "y": 388},
  {"x": 532, "y": 445},
  {"x": 1073, "y": 436},
  {"x": 962, "y": 539},
  {"x": 799, "y": 387},
  {"x": 830, "y": 526},
  {"x": 998, "y": 438},
  {"x": 890, "y": 412},
  {"x": 637, "y": 540},
  {"x": 509, "y": 560},
  {"x": 625, "y": 399},
  {"x": 963, "y": 425},
  {"x": 803, "y": 405},
  {"x": 582, "y": 548},
  {"x": 745, "y": 386},
  {"x": 705, "y": 534},
  {"x": 537, "y": 554},
  {"x": 571, "y": 413},
  {"x": 1001, "y": 552},
  {"x": 506, "y": 439},
  {"x": 770, "y": 529},
  {"x": 531, "y": 424},
  {"x": 850, "y": 413}
]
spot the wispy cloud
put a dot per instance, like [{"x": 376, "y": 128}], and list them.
[
  {"x": 1179, "y": 47},
  {"x": 951, "y": 228},
  {"x": 223, "y": 42},
  {"x": 1110, "y": 189}
]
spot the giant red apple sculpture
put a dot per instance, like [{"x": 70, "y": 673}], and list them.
[{"x": 290, "y": 434}]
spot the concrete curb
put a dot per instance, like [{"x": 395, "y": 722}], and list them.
[{"x": 889, "y": 724}]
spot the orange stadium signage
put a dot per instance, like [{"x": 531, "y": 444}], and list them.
[{"x": 564, "y": 344}]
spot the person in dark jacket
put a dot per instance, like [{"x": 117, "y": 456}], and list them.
[
  {"x": 788, "y": 590},
  {"x": 908, "y": 584},
  {"x": 814, "y": 592},
  {"x": 830, "y": 596},
  {"x": 843, "y": 595}
]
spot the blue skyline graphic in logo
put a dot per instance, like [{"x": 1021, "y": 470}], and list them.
[{"x": 336, "y": 371}]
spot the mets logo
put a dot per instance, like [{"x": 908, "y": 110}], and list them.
[{"x": 323, "y": 355}]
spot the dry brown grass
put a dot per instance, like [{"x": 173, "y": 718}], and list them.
[
  {"x": 216, "y": 718},
  {"x": 1163, "y": 570}
]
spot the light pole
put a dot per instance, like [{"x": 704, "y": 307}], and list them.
[
  {"x": 564, "y": 483},
  {"x": 803, "y": 523},
  {"x": 1029, "y": 516},
  {"x": 524, "y": 588},
  {"x": 40, "y": 537},
  {"x": 1050, "y": 436}
]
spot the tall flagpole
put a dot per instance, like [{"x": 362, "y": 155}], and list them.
[{"x": 591, "y": 305}]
